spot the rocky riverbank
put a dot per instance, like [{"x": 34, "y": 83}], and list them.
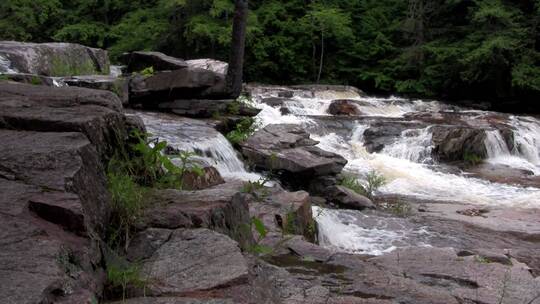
[{"x": 237, "y": 237}]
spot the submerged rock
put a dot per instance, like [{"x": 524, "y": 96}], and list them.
[
  {"x": 288, "y": 150},
  {"x": 52, "y": 59}
]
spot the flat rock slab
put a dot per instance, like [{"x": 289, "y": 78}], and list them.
[
  {"x": 95, "y": 113},
  {"x": 167, "y": 300},
  {"x": 194, "y": 260}
]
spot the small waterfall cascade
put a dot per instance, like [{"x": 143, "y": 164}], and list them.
[
  {"x": 5, "y": 66},
  {"x": 200, "y": 138},
  {"x": 527, "y": 140},
  {"x": 414, "y": 145},
  {"x": 495, "y": 144}
]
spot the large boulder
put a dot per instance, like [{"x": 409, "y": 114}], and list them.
[
  {"x": 344, "y": 107},
  {"x": 95, "y": 113},
  {"x": 166, "y": 86},
  {"x": 288, "y": 150},
  {"x": 192, "y": 261},
  {"x": 138, "y": 61},
  {"x": 52, "y": 59},
  {"x": 453, "y": 143}
]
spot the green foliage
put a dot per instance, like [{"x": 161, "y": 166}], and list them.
[
  {"x": 486, "y": 48},
  {"x": 372, "y": 183},
  {"x": 243, "y": 130},
  {"x": 262, "y": 231},
  {"x": 149, "y": 71},
  {"x": 35, "y": 80},
  {"x": 124, "y": 276},
  {"x": 130, "y": 176},
  {"x": 4, "y": 77}
]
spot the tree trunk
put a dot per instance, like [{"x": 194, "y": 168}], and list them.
[
  {"x": 322, "y": 58},
  {"x": 238, "y": 44}
]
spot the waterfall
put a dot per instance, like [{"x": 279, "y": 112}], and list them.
[
  {"x": 414, "y": 145},
  {"x": 198, "y": 137},
  {"x": 356, "y": 232},
  {"x": 495, "y": 144},
  {"x": 5, "y": 66}
]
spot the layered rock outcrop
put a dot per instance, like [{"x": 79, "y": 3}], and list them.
[{"x": 52, "y": 59}]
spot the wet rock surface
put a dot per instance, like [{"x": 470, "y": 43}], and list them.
[
  {"x": 289, "y": 149},
  {"x": 343, "y": 107}
]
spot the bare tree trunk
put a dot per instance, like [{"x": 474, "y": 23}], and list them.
[
  {"x": 238, "y": 45},
  {"x": 322, "y": 58}
]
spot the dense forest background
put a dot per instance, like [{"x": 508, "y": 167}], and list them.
[{"x": 453, "y": 49}]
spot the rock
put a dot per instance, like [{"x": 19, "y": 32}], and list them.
[
  {"x": 453, "y": 142},
  {"x": 208, "y": 260},
  {"x": 143, "y": 244},
  {"x": 95, "y": 113},
  {"x": 52, "y": 59},
  {"x": 64, "y": 162},
  {"x": 138, "y": 61},
  {"x": 343, "y": 107},
  {"x": 183, "y": 84},
  {"x": 213, "y": 65},
  {"x": 287, "y": 149},
  {"x": 198, "y": 108},
  {"x": 53, "y": 192},
  {"x": 210, "y": 178},
  {"x": 119, "y": 86},
  {"x": 465, "y": 278},
  {"x": 165, "y": 300},
  {"x": 212, "y": 208},
  {"x": 34, "y": 79},
  {"x": 282, "y": 212},
  {"x": 347, "y": 198},
  {"x": 382, "y": 133}
]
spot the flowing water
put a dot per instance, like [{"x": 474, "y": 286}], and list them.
[
  {"x": 195, "y": 136},
  {"x": 407, "y": 164}
]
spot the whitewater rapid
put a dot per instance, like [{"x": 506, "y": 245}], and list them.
[{"x": 407, "y": 165}]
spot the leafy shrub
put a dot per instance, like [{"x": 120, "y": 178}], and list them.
[
  {"x": 262, "y": 231},
  {"x": 373, "y": 182},
  {"x": 243, "y": 130},
  {"x": 124, "y": 275}
]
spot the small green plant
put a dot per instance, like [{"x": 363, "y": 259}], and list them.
[
  {"x": 243, "y": 130},
  {"x": 262, "y": 231},
  {"x": 4, "y": 77},
  {"x": 472, "y": 159},
  {"x": 373, "y": 182},
  {"x": 124, "y": 276},
  {"x": 149, "y": 71},
  {"x": 35, "y": 80},
  {"x": 233, "y": 108}
]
